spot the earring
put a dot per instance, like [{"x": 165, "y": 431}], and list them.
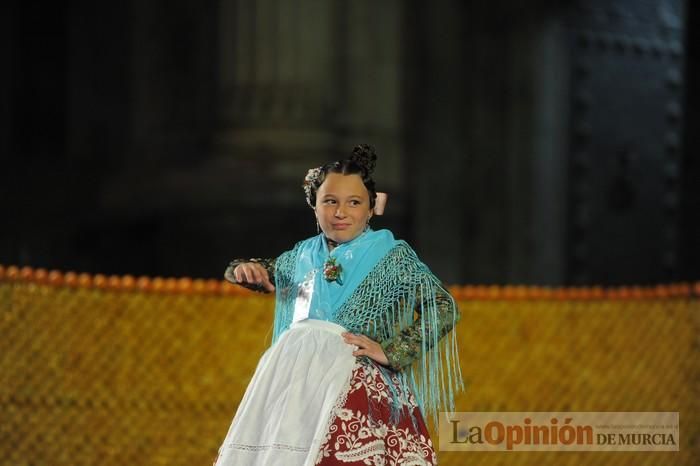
[{"x": 318, "y": 227}]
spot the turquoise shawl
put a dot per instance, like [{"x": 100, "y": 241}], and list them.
[{"x": 382, "y": 285}]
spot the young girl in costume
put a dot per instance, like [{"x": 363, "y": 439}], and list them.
[{"x": 358, "y": 355}]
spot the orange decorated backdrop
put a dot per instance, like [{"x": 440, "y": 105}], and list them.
[{"x": 139, "y": 371}]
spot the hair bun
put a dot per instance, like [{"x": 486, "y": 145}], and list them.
[{"x": 365, "y": 157}]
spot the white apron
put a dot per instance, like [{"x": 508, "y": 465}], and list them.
[{"x": 284, "y": 415}]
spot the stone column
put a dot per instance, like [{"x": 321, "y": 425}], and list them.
[{"x": 276, "y": 81}]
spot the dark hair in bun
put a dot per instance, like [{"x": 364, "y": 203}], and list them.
[
  {"x": 365, "y": 157},
  {"x": 361, "y": 162}
]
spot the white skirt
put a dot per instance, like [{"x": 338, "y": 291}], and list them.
[{"x": 284, "y": 415}]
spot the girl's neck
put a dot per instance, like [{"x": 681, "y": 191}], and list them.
[{"x": 331, "y": 244}]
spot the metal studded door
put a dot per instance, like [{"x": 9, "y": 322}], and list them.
[{"x": 625, "y": 137}]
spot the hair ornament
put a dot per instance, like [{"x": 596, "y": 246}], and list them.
[
  {"x": 380, "y": 203},
  {"x": 311, "y": 183}
]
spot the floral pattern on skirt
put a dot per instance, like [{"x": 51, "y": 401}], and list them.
[{"x": 355, "y": 438}]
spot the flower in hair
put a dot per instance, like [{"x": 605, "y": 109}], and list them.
[{"x": 311, "y": 182}]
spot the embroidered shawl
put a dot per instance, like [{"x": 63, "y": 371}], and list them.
[{"x": 387, "y": 287}]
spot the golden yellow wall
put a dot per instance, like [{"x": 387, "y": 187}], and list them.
[{"x": 121, "y": 371}]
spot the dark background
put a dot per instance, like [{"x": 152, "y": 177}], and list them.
[{"x": 549, "y": 142}]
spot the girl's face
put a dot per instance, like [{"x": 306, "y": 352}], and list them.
[{"x": 342, "y": 207}]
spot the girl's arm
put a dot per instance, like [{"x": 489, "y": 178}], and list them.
[
  {"x": 406, "y": 346},
  {"x": 254, "y": 274}
]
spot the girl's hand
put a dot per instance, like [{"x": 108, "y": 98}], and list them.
[
  {"x": 254, "y": 273},
  {"x": 366, "y": 347}
]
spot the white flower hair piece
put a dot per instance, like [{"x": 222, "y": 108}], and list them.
[{"x": 311, "y": 182}]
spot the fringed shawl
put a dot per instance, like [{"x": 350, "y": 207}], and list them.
[{"x": 382, "y": 305}]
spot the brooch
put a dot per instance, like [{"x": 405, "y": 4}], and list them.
[{"x": 332, "y": 270}]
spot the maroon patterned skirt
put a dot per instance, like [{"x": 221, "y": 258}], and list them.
[{"x": 356, "y": 438}]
